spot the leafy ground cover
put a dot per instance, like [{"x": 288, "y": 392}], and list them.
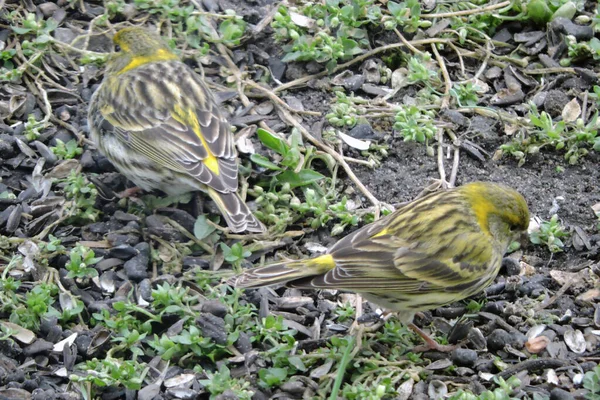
[{"x": 342, "y": 110}]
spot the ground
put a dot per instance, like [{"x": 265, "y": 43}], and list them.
[{"x": 109, "y": 297}]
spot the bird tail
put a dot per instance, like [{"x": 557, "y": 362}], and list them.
[
  {"x": 282, "y": 272},
  {"x": 238, "y": 216}
]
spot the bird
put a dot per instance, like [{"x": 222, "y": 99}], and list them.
[
  {"x": 433, "y": 251},
  {"x": 158, "y": 123}
]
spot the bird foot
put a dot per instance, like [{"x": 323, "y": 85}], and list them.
[{"x": 430, "y": 344}]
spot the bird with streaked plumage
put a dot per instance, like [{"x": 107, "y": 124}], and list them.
[
  {"x": 158, "y": 123},
  {"x": 436, "y": 250}
]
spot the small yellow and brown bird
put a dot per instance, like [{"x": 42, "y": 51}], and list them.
[
  {"x": 436, "y": 250},
  {"x": 159, "y": 124}
]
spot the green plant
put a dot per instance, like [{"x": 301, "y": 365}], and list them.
[
  {"x": 415, "y": 124},
  {"x": 473, "y": 307},
  {"x": 325, "y": 32},
  {"x": 111, "y": 372},
  {"x": 406, "y": 14},
  {"x": 465, "y": 94},
  {"x": 82, "y": 198},
  {"x": 80, "y": 260},
  {"x": 32, "y": 128},
  {"x": 503, "y": 392},
  {"x": 37, "y": 303},
  {"x": 235, "y": 255},
  {"x": 591, "y": 381},
  {"x": 550, "y": 234},
  {"x": 345, "y": 312},
  {"x": 575, "y": 138},
  {"x": 66, "y": 151},
  {"x": 221, "y": 381}
]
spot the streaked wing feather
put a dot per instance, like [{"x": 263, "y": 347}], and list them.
[{"x": 155, "y": 133}]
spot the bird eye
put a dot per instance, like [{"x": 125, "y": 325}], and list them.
[{"x": 117, "y": 48}]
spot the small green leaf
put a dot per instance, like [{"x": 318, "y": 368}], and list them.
[
  {"x": 20, "y": 31},
  {"x": 302, "y": 178},
  {"x": 272, "y": 142},
  {"x": 264, "y": 162},
  {"x": 202, "y": 229},
  {"x": 397, "y": 10}
]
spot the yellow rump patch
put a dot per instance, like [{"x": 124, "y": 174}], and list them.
[
  {"x": 382, "y": 232},
  {"x": 326, "y": 262},
  {"x": 159, "y": 55},
  {"x": 188, "y": 117}
]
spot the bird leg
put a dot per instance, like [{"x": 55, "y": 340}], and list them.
[
  {"x": 430, "y": 344},
  {"x": 356, "y": 327},
  {"x": 129, "y": 192}
]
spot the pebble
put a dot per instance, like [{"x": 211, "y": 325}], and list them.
[
  {"x": 39, "y": 346},
  {"x": 215, "y": 308},
  {"x": 137, "y": 267},
  {"x": 511, "y": 266},
  {"x": 87, "y": 161},
  {"x": 560, "y": 394},
  {"x": 145, "y": 290},
  {"x": 193, "y": 262},
  {"x": 6, "y": 150},
  {"x": 464, "y": 357},
  {"x": 212, "y": 327},
  {"x": 362, "y": 131},
  {"x": 354, "y": 83},
  {"x": 83, "y": 341},
  {"x": 498, "y": 339},
  {"x": 243, "y": 344},
  {"x": 122, "y": 252}
]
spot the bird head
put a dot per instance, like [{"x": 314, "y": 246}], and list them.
[
  {"x": 501, "y": 211},
  {"x": 136, "y": 46}
]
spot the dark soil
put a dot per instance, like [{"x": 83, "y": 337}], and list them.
[{"x": 143, "y": 251}]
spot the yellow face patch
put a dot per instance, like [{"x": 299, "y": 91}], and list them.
[
  {"x": 137, "y": 61},
  {"x": 188, "y": 117}
]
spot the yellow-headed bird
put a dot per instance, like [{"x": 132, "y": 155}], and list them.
[
  {"x": 157, "y": 122},
  {"x": 436, "y": 250}
]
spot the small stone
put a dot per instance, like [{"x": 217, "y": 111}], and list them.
[
  {"x": 194, "y": 262},
  {"x": 555, "y": 102},
  {"x": 560, "y": 394},
  {"x": 511, "y": 266},
  {"x": 212, "y": 327},
  {"x": 83, "y": 342},
  {"x": 362, "y": 131},
  {"x": 6, "y": 150},
  {"x": 137, "y": 268},
  {"x": 145, "y": 290},
  {"x": 464, "y": 357},
  {"x": 498, "y": 339},
  {"x": 215, "y": 308},
  {"x": 48, "y": 9},
  {"x": 277, "y": 67},
  {"x": 39, "y": 346},
  {"x": 243, "y": 344},
  {"x": 122, "y": 252},
  {"x": 87, "y": 161},
  {"x": 353, "y": 83},
  {"x": 293, "y": 71}
]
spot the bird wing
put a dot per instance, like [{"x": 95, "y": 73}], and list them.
[
  {"x": 377, "y": 259},
  {"x": 165, "y": 112}
]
